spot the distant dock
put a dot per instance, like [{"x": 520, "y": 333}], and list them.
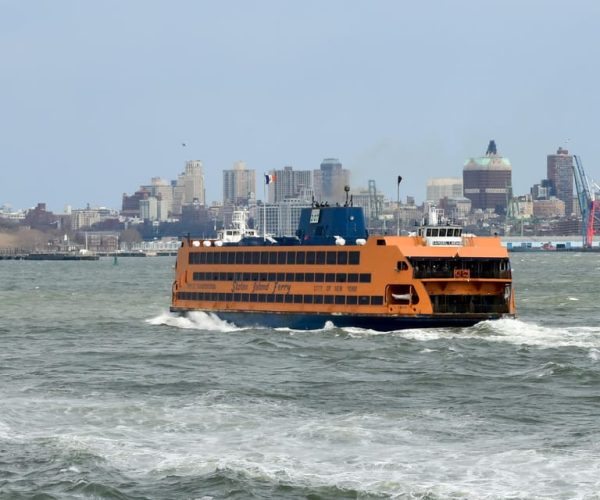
[{"x": 9, "y": 254}]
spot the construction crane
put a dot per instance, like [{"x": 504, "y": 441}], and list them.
[{"x": 590, "y": 208}]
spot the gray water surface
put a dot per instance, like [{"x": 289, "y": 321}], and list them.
[{"x": 104, "y": 394}]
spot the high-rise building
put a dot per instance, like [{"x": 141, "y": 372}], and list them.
[
  {"x": 560, "y": 175},
  {"x": 239, "y": 185},
  {"x": 290, "y": 183},
  {"x": 163, "y": 192},
  {"x": 189, "y": 187},
  {"x": 329, "y": 181},
  {"x": 487, "y": 181},
  {"x": 444, "y": 187}
]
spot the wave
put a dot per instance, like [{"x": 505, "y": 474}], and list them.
[
  {"x": 194, "y": 320},
  {"x": 387, "y": 454}
]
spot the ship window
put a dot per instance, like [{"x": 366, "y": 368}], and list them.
[
  {"x": 365, "y": 278},
  {"x": 197, "y": 277},
  {"x": 271, "y": 277},
  {"x": 342, "y": 258},
  {"x": 297, "y": 299},
  {"x": 263, "y": 276},
  {"x": 262, "y": 298},
  {"x": 221, "y": 296},
  {"x": 310, "y": 257},
  {"x": 354, "y": 258},
  {"x": 255, "y": 258},
  {"x": 381, "y": 242},
  {"x": 291, "y": 257},
  {"x": 319, "y": 277},
  {"x": 280, "y": 276},
  {"x": 245, "y": 297},
  {"x": 202, "y": 259},
  {"x": 299, "y": 277},
  {"x": 238, "y": 276},
  {"x": 279, "y": 298},
  {"x": 318, "y": 299},
  {"x": 230, "y": 257},
  {"x": 255, "y": 276},
  {"x": 229, "y": 297},
  {"x": 443, "y": 232},
  {"x": 364, "y": 300},
  {"x": 289, "y": 277},
  {"x": 247, "y": 257},
  {"x": 331, "y": 258},
  {"x": 270, "y": 298},
  {"x": 309, "y": 277},
  {"x": 340, "y": 299},
  {"x": 288, "y": 299},
  {"x": 351, "y": 300},
  {"x": 210, "y": 258},
  {"x": 229, "y": 276},
  {"x": 340, "y": 278},
  {"x": 264, "y": 257},
  {"x": 376, "y": 300},
  {"x": 237, "y": 297},
  {"x": 239, "y": 257},
  {"x": 320, "y": 258},
  {"x": 352, "y": 278},
  {"x": 328, "y": 299},
  {"x": 401, "y": 265},
  {"x": 217, "y": 257},
  {"x": 281, "y": 257},
  {"x": 308, "y": 299},
  {"x": 222, "y": 276},
  {"x": 272, "y": 257},
  {"x": 300, "y": 257},
  {"x": 330, "y": 278},
  {"x": 246, "y": 276},
  {"x": 253, "y": 297}
]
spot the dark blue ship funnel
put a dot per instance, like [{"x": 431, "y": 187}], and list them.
[{"x": 324, "y": 225}]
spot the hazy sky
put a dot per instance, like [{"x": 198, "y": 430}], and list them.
[{"x": 97, "y": 96}]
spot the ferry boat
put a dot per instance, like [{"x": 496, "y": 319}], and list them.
[{"x": 334, "y": 271}]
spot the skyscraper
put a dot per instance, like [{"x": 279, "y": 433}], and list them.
[
  {"x": 290, "y": 183},
  {"x": 239, "y": 185},
  {"x": 487, "y": 181},
  {"x": 560, "y": 175},
  {"x": 189, "y": 186},
  {"x": 329, "y": 181}
]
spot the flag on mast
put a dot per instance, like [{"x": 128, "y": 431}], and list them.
[{"x": 269, "y": 178}]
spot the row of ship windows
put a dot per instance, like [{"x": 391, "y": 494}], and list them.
[
  {"x": 290, "y": 277},
  {"x": 361, "y": 300},
  {"x": 294, "y": 257}
]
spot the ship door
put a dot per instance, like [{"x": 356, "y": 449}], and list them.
[{"x": 401, "y": 295}]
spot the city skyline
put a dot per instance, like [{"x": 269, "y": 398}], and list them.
[
  {"x": 259, "y": 192},
  {"x": 390, "y": 88}
]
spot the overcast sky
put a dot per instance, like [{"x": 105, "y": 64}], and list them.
[{"x": 96, "y": 97}]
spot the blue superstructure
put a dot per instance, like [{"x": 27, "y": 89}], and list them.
[{"x": 323, "y": 225}]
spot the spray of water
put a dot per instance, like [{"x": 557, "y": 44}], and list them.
[{"x": 194, "y": 320}]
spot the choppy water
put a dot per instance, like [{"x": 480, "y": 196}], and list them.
[{"x": 104, "y": 394}]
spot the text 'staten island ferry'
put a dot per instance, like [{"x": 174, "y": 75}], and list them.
[{"x": 334, "y": 271}]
